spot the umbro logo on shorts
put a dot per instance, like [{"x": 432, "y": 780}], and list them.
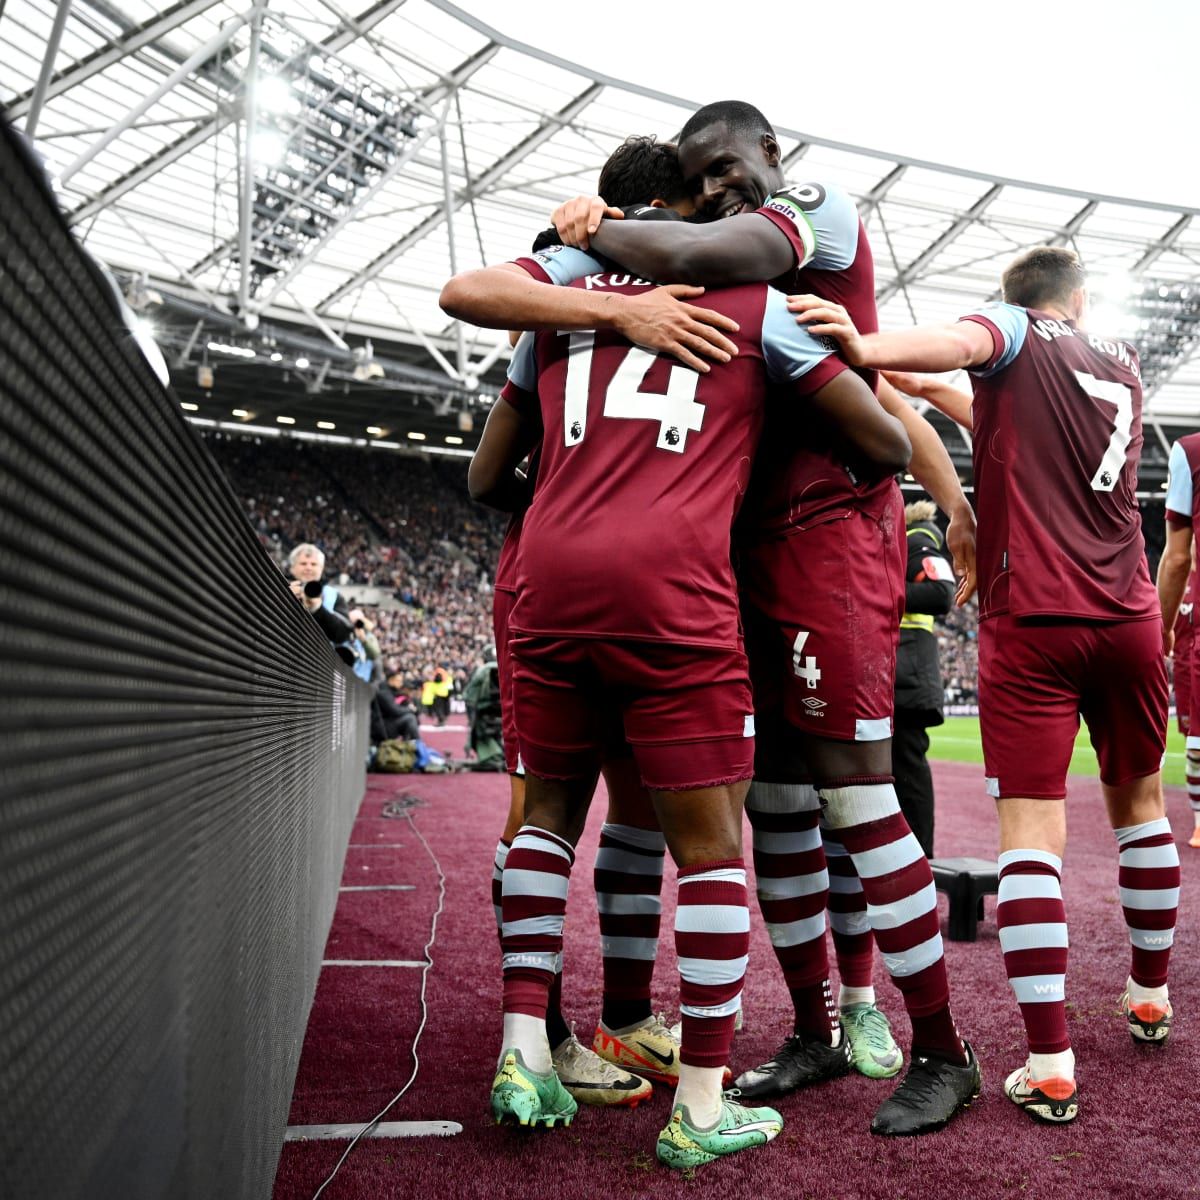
[
  {"x": 813, "y": 704},
  {"x": 748, "y": 726}
]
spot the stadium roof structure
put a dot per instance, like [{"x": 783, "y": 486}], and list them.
[{"x": 283, "y": 188}]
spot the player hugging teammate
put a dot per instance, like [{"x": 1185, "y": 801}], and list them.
[{"x": 625, "y": 638}]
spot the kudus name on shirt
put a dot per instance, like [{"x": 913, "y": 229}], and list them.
[
  {"x": 1048, "y": 329},
  {"x": 601, "y": 281}
]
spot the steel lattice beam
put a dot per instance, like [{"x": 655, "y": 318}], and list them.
[
  {"x": 961, "y": 223},
  {"x": 119, "y": 48},
  {"x": 201, "y": 132},
  {"x": 1163, "y": 244},
  {"x": 427, "y": 96},
  {"x": 546, "y": 130}
]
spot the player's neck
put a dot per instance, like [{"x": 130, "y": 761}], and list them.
[{"x": 1056, "y": 310}]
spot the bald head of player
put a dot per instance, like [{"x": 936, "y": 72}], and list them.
[
  {"x": 1047, "y": 278},
  {"x": 730, "y": 158}
]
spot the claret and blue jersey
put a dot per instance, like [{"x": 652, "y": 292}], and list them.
[
  {"x": 644, "y": 463},
  {"x": 1057, "y": 420}
]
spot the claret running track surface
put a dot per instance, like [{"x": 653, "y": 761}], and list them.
[{"x": 1141, "y": 1106}]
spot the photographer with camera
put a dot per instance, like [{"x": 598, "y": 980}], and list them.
[{"x": 307, "y": 565}]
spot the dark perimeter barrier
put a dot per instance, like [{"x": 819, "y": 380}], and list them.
[{"x": 181, "y": 762}]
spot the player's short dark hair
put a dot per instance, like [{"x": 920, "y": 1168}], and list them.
[
  {"x": 1042, "y": 275},
  {"x": 639, "y": 170},
  {"x": 737, "y": 114}
]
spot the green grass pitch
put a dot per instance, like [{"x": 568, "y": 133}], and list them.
[{"x": 958, "y": 741}]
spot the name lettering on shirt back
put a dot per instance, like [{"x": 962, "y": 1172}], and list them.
[
  {"x": 1049, "y": 329},
  {"x": 611, "y": 280}
]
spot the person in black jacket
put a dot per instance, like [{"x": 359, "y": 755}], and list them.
[{"x": 928, "y": 593}]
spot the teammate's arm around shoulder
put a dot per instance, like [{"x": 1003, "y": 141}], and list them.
[
  {"x": 741, "y": 249},
  {"x": 662, "y": 319},
  {"x": 925, "y": 348}
]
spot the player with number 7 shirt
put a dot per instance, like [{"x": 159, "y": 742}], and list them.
[
  {"x": 1070, "y": 627},
  {"x": 626, "y": 625}
]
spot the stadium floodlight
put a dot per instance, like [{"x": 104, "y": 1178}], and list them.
[
  {"x": 374, "y": 431},
  {"x": 325, "y": 137},
  {"x": 242, "y": 414},
  {"x": 1164, "y": 324},
  {"x": 326, "y": 425},
  {"x": 286, "y": 420},
  {"x": 302, "y": 363},
  {"x": 274, "y": 95},
  {"x": 452, "y": 440},
  {"x": 1110, "y": 319},
  {"x": 1115, "y": 287},
  {"x": 268, "y": 147},
  {"x": 365, "y": 366},
  {"x": 276, "y": 356},
  {"x": 188, "y": 406},
  {"x": 415, "y": 436}
]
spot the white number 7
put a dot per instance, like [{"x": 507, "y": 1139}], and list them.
[
  {"x": 1120, "y": 394},
  {"x": 677, "y": 412}
]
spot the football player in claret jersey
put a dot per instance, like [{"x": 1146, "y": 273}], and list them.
[
  {"x": 641, "y": 174},
  {"x": 819, "y": 549},
  {"x": 1175, "y": 573},
  {"x": 626, "y": 625},
  {"x": 1070, "y": 626}
]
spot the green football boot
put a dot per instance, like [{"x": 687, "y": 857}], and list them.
[
  {"x": 527, "y": 1097},
  {"x": 873, "y": 1050},
  {"x": 682, "y": 1146}
]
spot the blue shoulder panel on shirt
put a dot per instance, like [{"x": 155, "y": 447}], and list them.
[
  {"x": 565, "y": 264},
  {"x": 1179, "y": 482},
  {"x": 1013, "y": 323},
  {"x": 522, "y": 367},
  {"x": 789, "y": 350},
  {"x": 830, "y": 214}
]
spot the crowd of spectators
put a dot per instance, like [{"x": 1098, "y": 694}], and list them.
[
  {"x": 958, "y": 651},
  {"x": 404, "y": 523},
  {"x": 398, "y": 522}
]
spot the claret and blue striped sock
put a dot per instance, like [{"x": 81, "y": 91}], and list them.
[
  {"x": 628, "y": 877},
  {"x": 1032, "y": 921},
  {"x": 1149, "y": 880},
  {"x": 712, "y": 940},
  {"x": 901, "y": 905},
  {"x": 793, "y": 888},
  {"x": 537, "y": 874}
]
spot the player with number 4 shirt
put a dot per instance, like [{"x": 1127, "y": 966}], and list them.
[{"x": 1070, "y": 626}]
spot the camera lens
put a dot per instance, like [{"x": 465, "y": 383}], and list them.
[{"x": 314, "y": 588}]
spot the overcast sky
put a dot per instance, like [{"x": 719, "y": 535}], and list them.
[{"x": 1101, "y": 96}]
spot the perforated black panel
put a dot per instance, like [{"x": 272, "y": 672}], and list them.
[{"x": 181, "y": 759}]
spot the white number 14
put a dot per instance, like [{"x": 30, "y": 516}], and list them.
[{"x": 676, "y": 412}]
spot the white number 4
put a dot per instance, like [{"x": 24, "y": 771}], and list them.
[
  {"x": 676, "y": 412},
  {"x": 805, "y": 668},
  {"x": 1113, "y": 462}
]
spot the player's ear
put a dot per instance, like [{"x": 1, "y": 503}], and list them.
[
  {"x": 1079, "y": 302},
  {"x": 770, "y": 149},
  {"x": 658, "y": 204}
]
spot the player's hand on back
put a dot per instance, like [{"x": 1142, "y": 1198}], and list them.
[
  {"x": 823, "y": 318},
  {"x": 906, "y": 382},
  {"x": 578, "y": 219},
  {"x": 662, "y": 320},
  {"x": 960, "y": 541}
]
